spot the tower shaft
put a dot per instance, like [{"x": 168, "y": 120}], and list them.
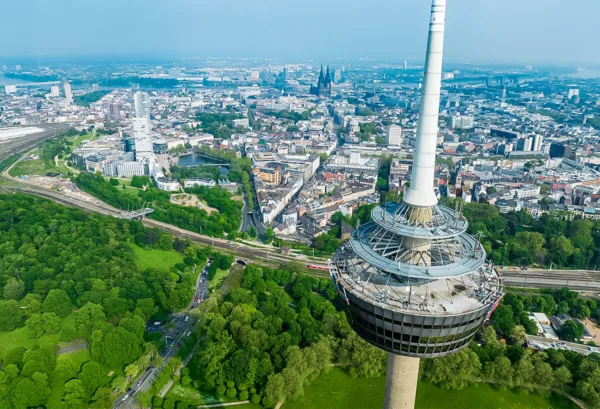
[
  {"x": 421, "y": 193},
  {"x": 401, "y": 382}
]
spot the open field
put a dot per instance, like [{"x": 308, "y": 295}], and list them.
[
  {"x": 160, "y": 259},
  {"x": 19, "y": 338},
  {"x": 33, "y": 167},
  {"x": 184, "y": 199},
  {"x": 336, "y": 390}
]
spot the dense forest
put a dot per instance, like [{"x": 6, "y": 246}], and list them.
[
  {"x": 190, "y": 218},
  {"x": 516, "y": 238},
  {"x": 55, "y": 260},
  {"x": 266, "y": 340}
]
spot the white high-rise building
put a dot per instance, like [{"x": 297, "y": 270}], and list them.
[
  {"x": 141, "y": 103},
  {"x": 143, "y": 142},
  {"x": 537, "y": 143},
  {"x": 54, "y": 91},
  {"x": 394, "y": 135},
  {"x": 68, "y": 92},
  {"x": 10, "y": 89}
]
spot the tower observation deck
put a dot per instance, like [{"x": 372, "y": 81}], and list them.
[{"x": 416, "y": 283}]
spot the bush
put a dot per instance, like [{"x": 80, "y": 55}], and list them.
[
  {"x": 243, "y": 395},
  {"x": 185, "y": 371},
  {"x": 230, "y": 384},
  {"x": 186, "y": 380},
  {"x": 157, "y": 402},
  {"x": 231, "y": 392},
  {"x": 255, "y": 399},
  {"x": 114, "y": 182},
  {"x": 221, "y": 390},
  {"x": 168, "y": 404}
]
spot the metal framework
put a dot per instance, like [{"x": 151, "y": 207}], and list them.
[{"x": 138, "y": 214}]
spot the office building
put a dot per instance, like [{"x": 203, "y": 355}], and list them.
[
  {"x": 394, "y": 135},
  {"x": 141, "y": 104},
  {"x": 54, "y": 91},
  {"x": 68, "y": 92}
]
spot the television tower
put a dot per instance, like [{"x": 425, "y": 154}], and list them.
[{"x": 417, "y": 285}]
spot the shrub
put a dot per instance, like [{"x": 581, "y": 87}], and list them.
[
  {"x": 243, "y": 395},
  {"x": 230, "y": 384},
  {"x": 221, "y": 390},
  {"x": 186, "y": 380},
  {"x": 231, "y": 392},
  {"x": 255, "y": 399},
  {"x": 157, "y": 402}
]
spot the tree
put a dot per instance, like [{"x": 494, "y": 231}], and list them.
[
  {"x": 74, "y": 394},
  {"x": 35, "y": 326},
  {"x": 67, "y": 333},
  {"x": 87, "y": 316},
  {"x": 10, "y": 315},
  {"x": 14, "y": 289},
  {"x": 454, "y": 371},
  {"x": 58, "y": 302},
  {"x": 503, "y": 318},
  {"x": 92, "y": 376},
  {"x": 518, "y": 335},
  {"x": 571, "y": 331},
  {"x": 51, "y": 322}
]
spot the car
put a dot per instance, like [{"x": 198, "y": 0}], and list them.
[
  {"x": 188, "y": 334},
  {"x": 125, "y": 397},
  {"x": 157, "y": 323},
  {"x": 196, "y": 298},
  {"x": 186, "y": 318}
]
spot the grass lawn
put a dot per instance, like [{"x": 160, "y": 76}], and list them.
[
  {"x": 75, "y": 141},
  {"x": 19, "y": 338},
  {"x": 194, "y": 396},
  {"x": 160, "y": 259},
  {"x": 336, "y": 390},
  {"x": 58, "y": 385},
  {"x": 33, "y": 167},
  {"x": 218, "y": 279}
]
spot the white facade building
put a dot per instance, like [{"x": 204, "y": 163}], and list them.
[
  {"x": 193, "y": 182},
  {"x": 141, "y": 104},
  {"x": 169, "y": 185},
  {"x": 394, "y": 135},
  {"x": 68, "y": 92}
]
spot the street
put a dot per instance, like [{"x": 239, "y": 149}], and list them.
[{"x": 175, "y": 336}]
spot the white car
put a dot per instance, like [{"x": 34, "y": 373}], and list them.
[{"x": 125, "y": 397}]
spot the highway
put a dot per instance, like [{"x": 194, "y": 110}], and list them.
[{"x": 174, "y": 337}]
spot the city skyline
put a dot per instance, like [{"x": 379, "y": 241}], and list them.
[{"x": 486, "y": 31}]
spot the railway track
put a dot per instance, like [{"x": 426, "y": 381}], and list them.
[{"x": 580, "y": 280}]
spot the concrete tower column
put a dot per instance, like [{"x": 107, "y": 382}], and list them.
[
  {"x": 401, "y": 382},
  {"x": 420, "y": 193}
]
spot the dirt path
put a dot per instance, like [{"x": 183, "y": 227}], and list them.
[{"x": 183, "y": 199}]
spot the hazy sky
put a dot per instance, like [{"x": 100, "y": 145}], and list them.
[{"x": 508, "y": 31}]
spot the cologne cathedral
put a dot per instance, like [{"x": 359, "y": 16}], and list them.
[{"x": 323, "y": 87}]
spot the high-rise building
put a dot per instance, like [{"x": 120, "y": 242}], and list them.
[
  {"x": 141, "y": 133},
  {"x": 416, "y": 283},
  {"x": 405, "y": 65},
  {"x": 142, "y": 126},
  {"x": 337, "y": 76},
  {"x": 394, "y": 135},
  {"x": 10, "y": 89},
  {"x": 114, "y": 112},
  {"x": 141, "y": 104},
  {"x": 54, "y": 91},
  {"x": 68, "y": 92},
  {"x": 354, "y": 157},
  {"x": 537, "y": 143},
  {"x": 95, "y": 87}
]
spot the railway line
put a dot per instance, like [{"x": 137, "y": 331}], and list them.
[
  {"x": 578, "y": 280},
  {"x": 18, "y": 145},
  {"x": 242, "y": 250}
]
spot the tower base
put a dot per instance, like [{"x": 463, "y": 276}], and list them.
[{"x": 401, "y": 382}]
